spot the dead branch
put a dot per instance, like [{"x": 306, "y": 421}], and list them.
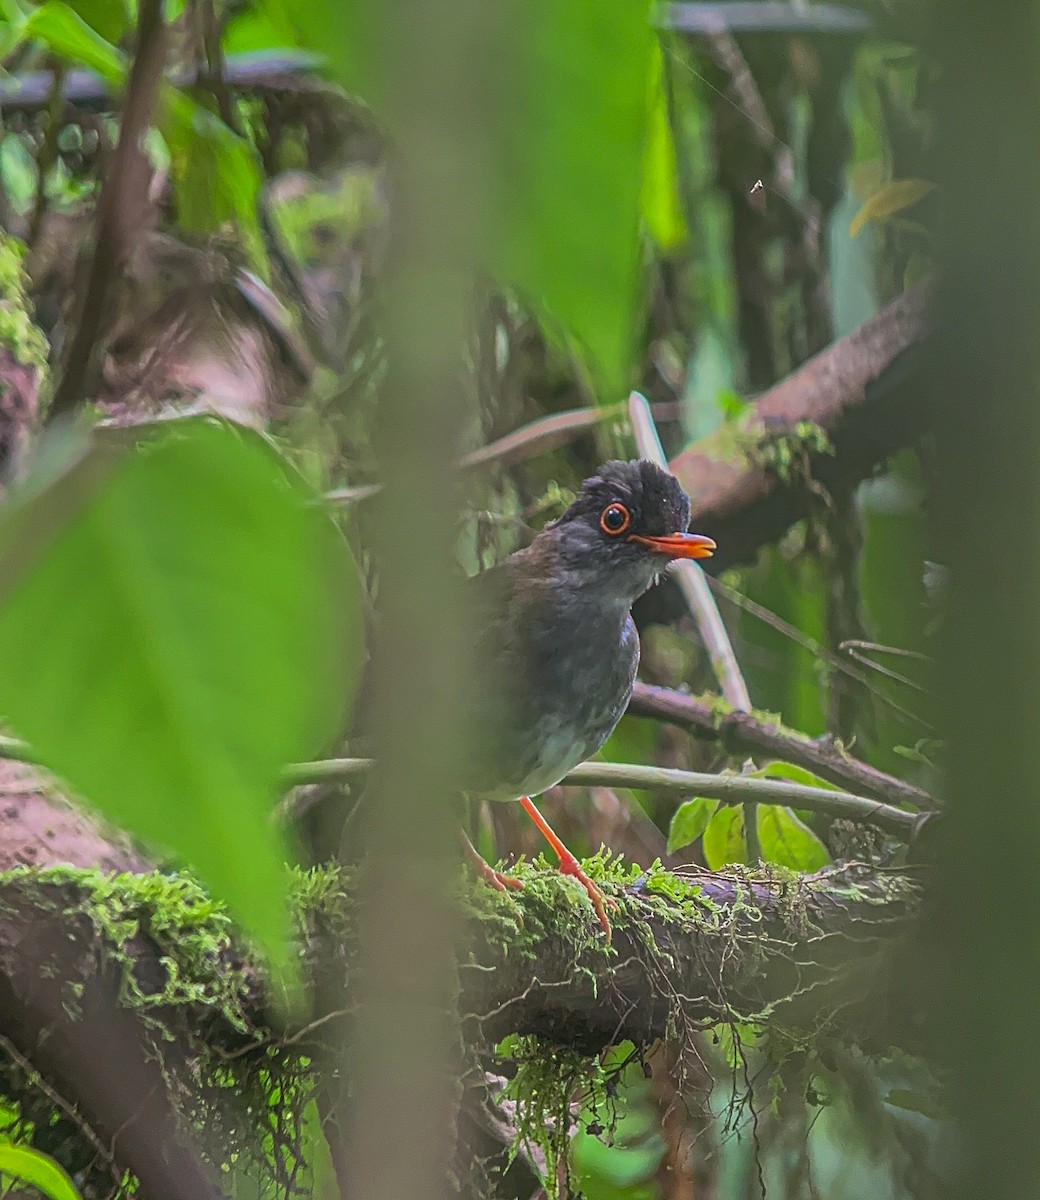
[
  {"x": 817, "y": 957},
  {"x": 122, "y": 208}
]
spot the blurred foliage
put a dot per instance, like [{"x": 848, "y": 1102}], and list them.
[
  {"x": 692, "y": 215},
  {"x": 212, "y": 639}
]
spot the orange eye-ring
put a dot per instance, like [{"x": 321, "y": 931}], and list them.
[{"x": 615, "y": 519}]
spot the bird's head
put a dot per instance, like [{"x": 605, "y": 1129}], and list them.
[{"x": 628, "y": 523}]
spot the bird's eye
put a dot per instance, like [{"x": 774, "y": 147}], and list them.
[{"x": 615, "y": 519}]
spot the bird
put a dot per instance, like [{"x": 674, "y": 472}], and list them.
[{"x": 555, "y": 649}]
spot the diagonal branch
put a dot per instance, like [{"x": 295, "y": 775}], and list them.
[
  {"x": 860, "y": 390},
  {"x": 744, "y": 733}
]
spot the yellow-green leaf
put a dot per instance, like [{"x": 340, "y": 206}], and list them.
[
  {"x": 787, "y": 841},
  {"x": 690, "y": 821},
  {"x": 724, "y": 840},
  {"x": 891, "y": 198}
]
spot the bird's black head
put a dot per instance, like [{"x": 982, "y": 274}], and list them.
[{"x": 627, "y": 524}]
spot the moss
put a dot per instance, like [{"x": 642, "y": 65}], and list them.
[
  {"x": 548, "y": 1083},
  {"x": 788, "y": 453},
  {"x": 18, "y": 334}
]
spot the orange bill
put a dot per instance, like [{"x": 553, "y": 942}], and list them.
[{"x": 678, "y": 545}]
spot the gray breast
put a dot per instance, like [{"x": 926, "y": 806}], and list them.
[{"x": 582, "y": 696}]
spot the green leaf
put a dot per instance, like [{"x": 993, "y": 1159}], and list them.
[
  {"x": 68, "y": 35},
  {"x": 176, "y": 625},
  {"x": 891, "y": 198},
  {"x": 690, "y": 821},
  {"x": 662, "y": 209},
  {"x": 567, "y": 155},
  {"x": 923, "y": 751},
  {"x": 109, "y": 17},
  {"x": 915, "y": 1102},
  {"x": 796, "y": 774},
  {"x": 216, "y": 173},
  {"x": 37, "y": 1170},
  {"x": 787, "y": 841},
  {"x": 724, "y": 840},
  {"x": 18, "y": 172}
]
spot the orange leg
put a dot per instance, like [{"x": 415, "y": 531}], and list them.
[
  {"x": 569, "y": 865},
  {"x": 497, "y": 879}
]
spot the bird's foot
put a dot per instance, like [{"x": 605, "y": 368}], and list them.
[
  {"x": 499, "y": 880},
  {"x": 569, "y": 865}
]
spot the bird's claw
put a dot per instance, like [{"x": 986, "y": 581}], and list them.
[
  {"x": 499, "y": 880},
  {"x": 569, "y": 865}
]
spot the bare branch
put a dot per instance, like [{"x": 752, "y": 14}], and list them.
[
  {"x": 744, "y": 733},
  {"x": 691, "y": 578},
  {"x": 732, "y": 789}
]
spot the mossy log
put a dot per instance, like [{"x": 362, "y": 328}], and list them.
[{"x": 131, "y": 1019}]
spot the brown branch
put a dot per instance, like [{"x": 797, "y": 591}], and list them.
[
  {"x": 744, "y": 733},
  {"x": 859, "y": 390},
  {"x": 122, "y": 207}
]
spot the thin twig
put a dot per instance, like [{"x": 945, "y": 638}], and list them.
[
  {"x": 694, "y": 586},
  {"x": 537, "y": 437},
  {"x": 815, "y": 648},
  {"x": 733, "y": 789},
  {"x": 691, "y": 578},
  {"x": 35, "y": 1079},
  {"x": 856, "y": 649}
]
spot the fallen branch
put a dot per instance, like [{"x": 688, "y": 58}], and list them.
[
  {"x": 818, "y": 956},
  {"x": 61, "y": 1011}
]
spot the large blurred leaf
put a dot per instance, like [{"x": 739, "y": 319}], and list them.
[
  {"x": 176, "y": 625},
  {"x": 217, "y": 174},
  {"x": 571, "y": 172},
  {"x": 35, "y": 1170},
  {"x": 67, "y": 34},
  {"x": 567, "y": 149}
]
